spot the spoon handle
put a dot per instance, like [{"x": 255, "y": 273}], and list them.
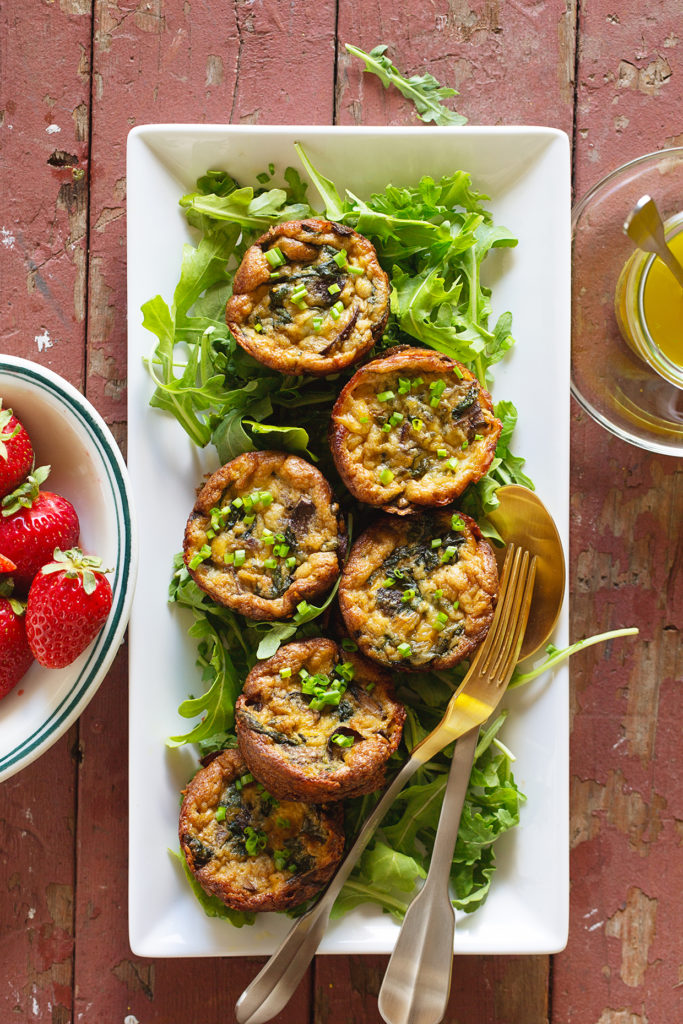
[{"x": 418, "y": 979}]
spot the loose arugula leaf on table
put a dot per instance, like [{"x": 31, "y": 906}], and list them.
[{"x": 424, "y": 90}]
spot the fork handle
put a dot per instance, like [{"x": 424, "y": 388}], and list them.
[{"x": 417, "y": 981}]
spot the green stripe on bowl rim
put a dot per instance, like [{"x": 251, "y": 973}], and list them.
[{"x": 109, "y": 640}]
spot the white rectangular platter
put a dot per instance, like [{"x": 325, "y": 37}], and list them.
[{"x": 526, "y": 173}]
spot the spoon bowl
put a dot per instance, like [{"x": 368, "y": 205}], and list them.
[{"x": 522, "y": 518}]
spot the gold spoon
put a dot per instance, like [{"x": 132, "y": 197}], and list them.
[
  {"x": 417, "y": 981},
  {"x": 522, "y": 518}
]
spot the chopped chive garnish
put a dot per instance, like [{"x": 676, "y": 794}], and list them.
[
  {"x": 418, "y": 425},
  {"x": 457, "y": 523},
  {"x": 210, "y": 534},
  {"x": 442, "y": 453},
  {"x": 267, "y": 539},
  {"x": 203, "y": 553},
  {"x": 258, "y": 328},
  {"x": 403, "y": 386},
  {"x": 317, "y": 322},
  {"x": 263, "y": 178},
  {"x": 246, "y": 779},
  {"x": 337, "y": 310},
  {"x": 442, "y": 617},
  {"x": 275, "y": 257},
  {"x": 349, "y": 645},
  {"x": 291, "y": 563},
  {"x": 396, "y": 418},
  {"x": 280, "y": 538},
  {"x": 266, "y": 498},
  {"x": 386, "y": 476},
  {"x": 237, "y": 503},
  {"x": 465, "y": 444},
  {"x": 385, "y": 396},
  {"x": 417, "y": 381},
  {"x": 438, "y": 594},
  {"x": 456, "y": 605},
  {"x": 436, "y": 543},
  {"x": 405, "y": 650},
  {"x": 458, "y": 372},
  {"x": 302, "y": 607},
  {"x": 270, "y": 563},
  {"x": 248, "y": 520},
  {"x": 356, "y": 271},
  {"x": 448, "y": 554},
  {"x": 478, "y": 437},
  {"x": 248, "y": 503},
  {"x": 229, "y": 557},
  {"x": 341, "y": 740},
  {"x": 453, "y": 464},
  {"x": 363, "y": 419},
  {"x": 407, "y": 595},
  {"x": 220, "y": 814},
  {"x": 334, "y": 289},
  {"x": 285, "y": 673},
  {"x": 240, "y": 557},
  {"x": 271, "y": 169},
  {"x": 340, "y": 258},
  {"x": 388, "y": 582},
  {"x": 386, "y": 427}
]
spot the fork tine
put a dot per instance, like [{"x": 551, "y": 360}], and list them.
[
  {"x": 499, "y": 626},
  {"x": 504, "y": 670},
  {"x": 512, "y": 612},
  {"x": 488, "y": 641}
]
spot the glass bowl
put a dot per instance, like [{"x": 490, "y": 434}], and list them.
[{"x": 611, "y": 379}]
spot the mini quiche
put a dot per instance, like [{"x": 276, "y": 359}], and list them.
[
  {"x": 419, "y": 592},
  {"x": 264, "y": 535},
  {"x": 412, "y": 429},
  {"x": 309, "y": 297},
  {"x": 249, "y": 849},
  {"x": 317, "y": 723}
]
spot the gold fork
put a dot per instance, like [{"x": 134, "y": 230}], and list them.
[{"x": 470, "y": 705}]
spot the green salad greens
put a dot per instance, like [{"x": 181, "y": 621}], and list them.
[{"x": 432, "y": 239}]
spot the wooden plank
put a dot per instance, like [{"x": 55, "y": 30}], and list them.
[
  {"x": 185, "y": 62},
  {"x": 37, "y": 878},
  {"x": 43, "y": 182},
  {"x": 627, "y": 506}
]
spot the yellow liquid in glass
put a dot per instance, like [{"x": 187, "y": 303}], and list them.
[{"x": 663, "y": 305}]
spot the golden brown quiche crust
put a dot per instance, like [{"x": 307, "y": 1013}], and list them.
[
  {"x": 296, "y": 845},
  {"x": 264, "y": 535},
  {"x": 412, "y": 430},
  {"x": 287, "y": 740},
  {"x": 320, "y": 308},
  {"x": 419, "y": 591}
]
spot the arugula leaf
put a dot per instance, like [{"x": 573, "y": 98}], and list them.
[
  {"x": 424, "y": 90},
  {"x": 211, "y": 905},
  {"x": 556, "y": 656},
  {"x": 382, "y": 876}
]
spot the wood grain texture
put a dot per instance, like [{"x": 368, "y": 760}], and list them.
[
  {"x": 620, "y": 966},
  {"x": 66, "y": 956},
  {"x": 44, "y": 128}
]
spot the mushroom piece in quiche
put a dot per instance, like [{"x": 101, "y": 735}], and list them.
[
  {"x": 249, "y": 849},
  {"x": 309, "y": 297},
  {"x": 264, "y": 535},
  {"x": 412, "y": 430},
  {"x": 318, "y": 723},
  {"x": 419, "y": 592}
]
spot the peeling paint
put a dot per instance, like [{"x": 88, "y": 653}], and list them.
[
  {"x": 7, "y": 238},
  {"x": 635, "y": 926},
  {"x": 52, "y": 129},
  {"x": 43, "y": 340}
]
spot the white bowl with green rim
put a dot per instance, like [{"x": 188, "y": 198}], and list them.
[{"x": 87, "y": 468}]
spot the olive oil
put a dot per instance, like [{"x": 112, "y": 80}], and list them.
[{"x": 663, "y": 305}]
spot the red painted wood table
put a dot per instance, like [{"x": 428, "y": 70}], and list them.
[{"x": 76, "y": 75}]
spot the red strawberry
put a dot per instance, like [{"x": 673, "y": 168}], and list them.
[
  {"x": 33, "y": 524},
  {"x": 6, "y": 564},
  {"x": 15, "y": 653},
  {"x": 16, "y": 453},
  {"x": 68, "y": 604}
]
